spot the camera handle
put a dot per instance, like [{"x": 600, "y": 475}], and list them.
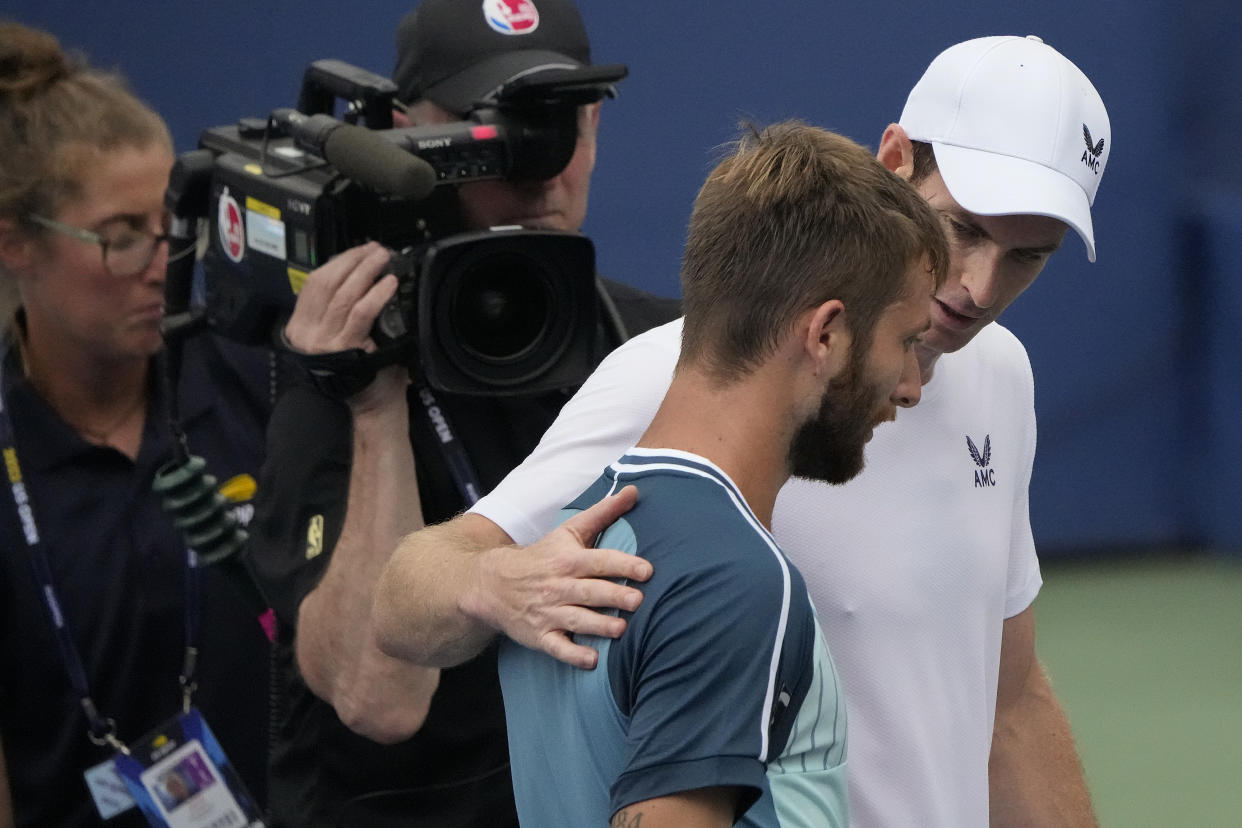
[{"x": 370, "y": 94}]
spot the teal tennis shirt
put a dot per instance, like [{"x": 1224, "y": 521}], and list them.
[{"x": 722, "y": 677}]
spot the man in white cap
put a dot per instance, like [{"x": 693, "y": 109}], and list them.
[{"x": 922, "y": 569}]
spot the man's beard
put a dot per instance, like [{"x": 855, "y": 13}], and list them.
[{"x": 829, "y": 446}]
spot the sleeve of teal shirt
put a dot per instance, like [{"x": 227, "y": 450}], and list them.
[{"x": 694, "y": 670}]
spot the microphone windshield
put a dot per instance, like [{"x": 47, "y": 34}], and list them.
[{"x": 365, "y": 157}]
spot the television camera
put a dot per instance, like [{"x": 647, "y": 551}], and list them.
[{"x": 499, "y": 311}]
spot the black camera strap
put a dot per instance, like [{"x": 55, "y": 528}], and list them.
[
  {"x": 451, "y": 448},
  {"x": 101, "y": 730},
  {"x": 341, "y": 374}
]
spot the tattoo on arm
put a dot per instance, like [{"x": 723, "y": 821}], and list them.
[{"x": 625, "y": 818}]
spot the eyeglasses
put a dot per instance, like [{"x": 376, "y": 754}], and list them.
[{"x": 127, "y": 252}]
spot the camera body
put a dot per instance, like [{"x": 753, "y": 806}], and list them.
[{"x": 497, "y": 311}]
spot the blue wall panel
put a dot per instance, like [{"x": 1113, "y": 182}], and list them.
[{"x": 1109, "y": 342}]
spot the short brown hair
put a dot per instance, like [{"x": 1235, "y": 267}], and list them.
[
  {"x": 924, "y": 162},
  {"x": 793, "y": 217}
]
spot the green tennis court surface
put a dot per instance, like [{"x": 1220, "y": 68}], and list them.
[{"x": 1146, "y": 655}]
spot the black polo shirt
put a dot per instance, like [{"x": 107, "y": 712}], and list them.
[
  {"x": 119, "y": 568},
  {"x": 454, "y": 772}
]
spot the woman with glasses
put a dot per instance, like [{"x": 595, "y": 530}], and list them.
[{"x": 100, "y": 607}]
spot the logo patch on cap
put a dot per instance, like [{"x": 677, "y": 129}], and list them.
[
  {"x": 511, "y": 17},
  {"x": 1092, "y": 156}
]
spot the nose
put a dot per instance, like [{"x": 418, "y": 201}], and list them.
[
  {"x": 156, "y": 268},
  {"x": 981, "y": 276},
  {"x": 909, "y": 388}
]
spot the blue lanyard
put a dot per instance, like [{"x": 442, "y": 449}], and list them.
[
  {"x": 459, "y": 465},
  {"x": 101, "y": 730}
]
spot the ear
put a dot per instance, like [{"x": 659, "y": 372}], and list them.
[
  {"x": 896, "y": 151},
  {"x": 592, "y": 115},
  {"x": 826, "y": 338},
  {"x": 16, "y": 247},
  {"x": 588, "y": 126}
]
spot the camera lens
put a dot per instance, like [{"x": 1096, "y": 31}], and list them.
[
  {"x": 507, "y": 311},
  {"x": 502, "y": 308}
]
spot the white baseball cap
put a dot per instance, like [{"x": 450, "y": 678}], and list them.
[{"x": 1017, "y": 129}]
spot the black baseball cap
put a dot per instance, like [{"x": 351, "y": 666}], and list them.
[{"x": 456, "y": 53}]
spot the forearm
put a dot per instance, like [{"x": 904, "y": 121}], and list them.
[
  {"x": 1034, "y": 773},
  {"x": 420, "y": 604},
  {"x": 378, "y": 696}
]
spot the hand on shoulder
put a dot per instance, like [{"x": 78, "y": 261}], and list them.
[{"x": 540, "y": 594}]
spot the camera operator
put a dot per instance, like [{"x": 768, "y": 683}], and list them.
[{"x": 361, "y": 738}]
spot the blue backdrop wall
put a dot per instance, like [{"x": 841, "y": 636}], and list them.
[{"x": 1137, "y": 377}]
